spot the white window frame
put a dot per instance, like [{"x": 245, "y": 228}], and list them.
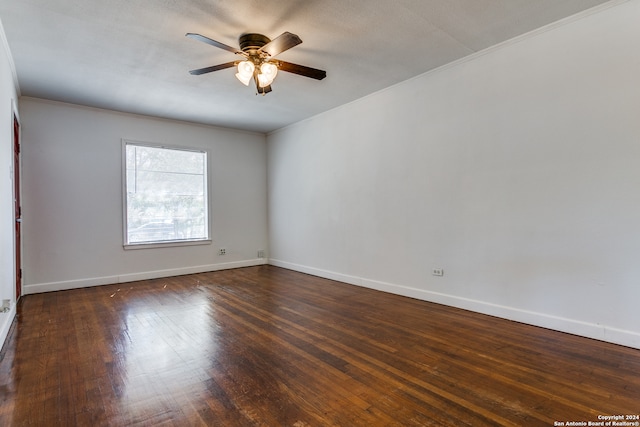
[{"x": 168, "y": 243}]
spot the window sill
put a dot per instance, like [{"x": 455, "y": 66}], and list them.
[{"x": 154, "y": 245}]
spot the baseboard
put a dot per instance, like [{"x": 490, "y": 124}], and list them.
[
  {"x": 5, "y": 324},
  {"x": 132, "y": 277},
  {"x": 571, "y": 326}
]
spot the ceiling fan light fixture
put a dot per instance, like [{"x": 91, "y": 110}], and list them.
[
  {"x": 263, "y": 81},
  {"x": 257, "y": 49},
  {"x": 268, "y": 71},
  {"x": 245, "y": 72}
]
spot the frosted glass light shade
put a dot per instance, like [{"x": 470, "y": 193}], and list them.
[
  {"x": 269, "y": 70},
  {"x": 245, "y": 72},
  {"x": 267, "y": 74}
]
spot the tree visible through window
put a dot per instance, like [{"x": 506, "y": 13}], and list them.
[{"x": 166, "y": 194}]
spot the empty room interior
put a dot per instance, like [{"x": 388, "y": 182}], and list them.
[{"x": 304, "y": 213}]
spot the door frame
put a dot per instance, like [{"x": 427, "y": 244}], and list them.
[{"x": 16, "y": 139}]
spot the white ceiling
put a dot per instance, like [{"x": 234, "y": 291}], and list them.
[{"x": 133, "y": 56}]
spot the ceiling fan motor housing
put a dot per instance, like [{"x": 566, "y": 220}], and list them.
[{"x": 251, "y": 42}]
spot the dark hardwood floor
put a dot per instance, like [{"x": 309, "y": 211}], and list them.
[{"x": 265, "y": 346}]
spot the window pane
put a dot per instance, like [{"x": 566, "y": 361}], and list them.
[{"x": 166, "y": 194}]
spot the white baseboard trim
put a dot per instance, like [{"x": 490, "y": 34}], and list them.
[
  {"x": 5, "y": 323},
  {"x": 571, "y": 326},
  {"x": 37, "y": 288}
]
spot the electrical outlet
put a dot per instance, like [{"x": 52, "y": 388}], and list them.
[
  {"x": 437, "y": 272},
  {"x": 260, "y": 253},
  {"x": 222, "y": 251}
]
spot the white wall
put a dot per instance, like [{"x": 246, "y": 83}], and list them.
[
  {"x": 72, "y": 197},
  {"x": 517, "y": 171},
  {"x": 8, "y": 103}
]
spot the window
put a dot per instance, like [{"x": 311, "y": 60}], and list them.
[{"x": 166, "y": 195}]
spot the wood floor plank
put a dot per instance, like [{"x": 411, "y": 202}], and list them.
[{"x": 265, "y": 346}]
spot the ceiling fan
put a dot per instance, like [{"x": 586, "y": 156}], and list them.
[{"x": 258, "y": 64}]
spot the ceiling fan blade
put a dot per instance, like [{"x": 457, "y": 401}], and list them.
[
  {"x": 212, "y": 42},
  {"x": 281, "y": 43},
  {"x": 212, "y": 68},
  {"x": 313, "y": 73}
]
